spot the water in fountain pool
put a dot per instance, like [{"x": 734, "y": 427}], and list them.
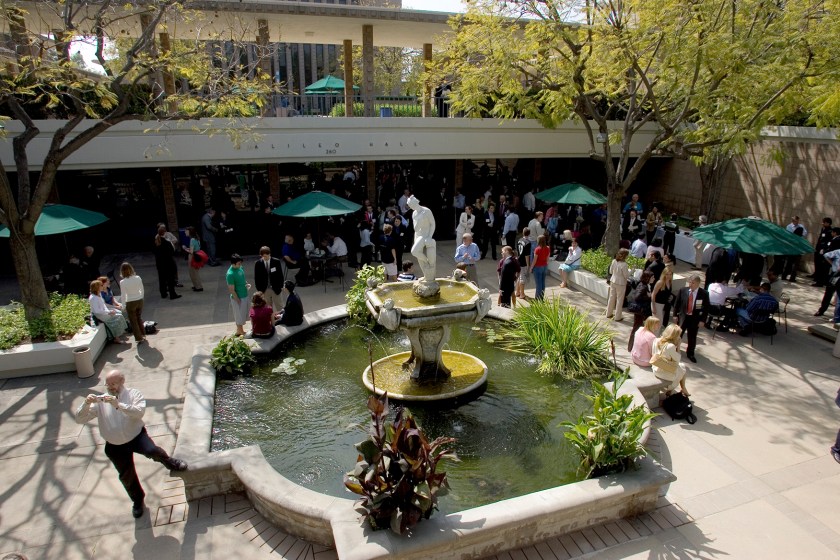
[{"x": 306, "y": 422}]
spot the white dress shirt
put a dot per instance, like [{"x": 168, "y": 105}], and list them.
[{"x": 117, "y": 425}]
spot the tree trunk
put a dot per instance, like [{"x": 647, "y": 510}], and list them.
[
  {"x": 32, "y": 290},
  {"x": 613, "y": 233},
  {"x": 711, "y": 181}
]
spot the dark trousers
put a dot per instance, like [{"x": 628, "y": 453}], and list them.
[
  {"x": 166, "y": 282},
  {"x": 488, "y": 239},
  {"x": 826, "y": 300},
  {"x": 668, "y": 242},
  {"x": 122, "y": 457},
  {"x": 367, "y": 255},
  {"x": 134, "y": 310},
  {"x": 821, "y": 268},
  {"x": 510, "y": 239},
  {"x": 690, "y": 326}
]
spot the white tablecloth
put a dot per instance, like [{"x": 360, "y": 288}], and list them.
[{"x": 684, "y": 248}]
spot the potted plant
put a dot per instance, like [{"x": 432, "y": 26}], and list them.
[{"x": 232, "y": 356}]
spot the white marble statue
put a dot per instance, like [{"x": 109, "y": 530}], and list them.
[{"x": 424, "y": 248}]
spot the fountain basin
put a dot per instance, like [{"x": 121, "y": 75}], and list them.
[
  {"x": 453, "y": 297},
  {"x": 468, "y": 375}
]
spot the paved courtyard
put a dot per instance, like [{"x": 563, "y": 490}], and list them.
[{"x": 755, "y": 479}]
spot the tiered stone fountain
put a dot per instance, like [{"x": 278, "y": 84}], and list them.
[{"x": 425, "y": 310}]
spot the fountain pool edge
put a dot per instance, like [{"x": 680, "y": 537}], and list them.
[{"x": 332, "y": 521}]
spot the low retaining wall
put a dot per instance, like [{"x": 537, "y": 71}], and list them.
[
  {"x": 597, "y": 287},
  {"x": 44, "y": 358},
  {"x": 332, "y": 521}
]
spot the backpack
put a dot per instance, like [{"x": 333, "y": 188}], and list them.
[
  {"x": 678, "y": 407},
  {"x": 150, "y": 327}
]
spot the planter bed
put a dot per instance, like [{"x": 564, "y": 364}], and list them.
[{"x": 43, "y": 358}]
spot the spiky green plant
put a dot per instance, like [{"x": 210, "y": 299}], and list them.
[
  {"x": 609, "y": 440},
  {"x": 563, "y": 338}
]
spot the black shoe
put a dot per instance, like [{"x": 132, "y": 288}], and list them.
[
  {"x": 176, "y": 464},
  {"x": 137, "y": 509},
  {"x": 693, "y": 359},
  {"x": 836, "y": 454},
  {"x": 174, "y": 296},
  {"x": 198, "y": 289},
  {"x": 819, "y": 314},
  {"x": 178, "y": 285}
]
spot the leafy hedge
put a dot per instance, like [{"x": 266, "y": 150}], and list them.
[
  {"x": 397, "y": 109},
  {"x": 355, "y": 297},
  {"x": 65, "y": 318},
  {"x": 598, "y": 262}
]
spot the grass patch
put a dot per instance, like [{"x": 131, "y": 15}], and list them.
[
  {"x": 66, "y": 317},
  {"x": 566, "y": 342}
]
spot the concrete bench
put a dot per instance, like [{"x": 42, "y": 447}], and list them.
[{"x": 649, "y": 385}]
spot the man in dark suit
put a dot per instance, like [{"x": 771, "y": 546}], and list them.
[
  {"x": 268, "y": 278},
  {"x": 690, "y": 311}
]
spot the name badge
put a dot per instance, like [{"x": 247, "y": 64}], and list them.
[{"x": 274, "y": 269}]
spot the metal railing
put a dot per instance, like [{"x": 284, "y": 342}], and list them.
[{"x": 332, "y": 105}]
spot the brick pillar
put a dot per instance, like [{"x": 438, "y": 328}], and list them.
[
  {"x": 348, "y": 78},
  {"x": 168, "y": 190},
  {"x": 367, "y": 69},
  {"x": 427, "y": 85},
  {"x": 459, "y": 174},
  {"x": 274, "y": 181},
  {"x": 371, "y": 180},
  {"x": 537, "y": 170}
]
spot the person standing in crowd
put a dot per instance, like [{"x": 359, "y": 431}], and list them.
[
  {"x": 208, "y": 234},
  {"x": 791, "y": 262},
  {"x": 508, "y": 271},
  {"x": 165, "y": 263},
  {"x": 238, "y": 289},
  {"x": 176, "y": 245},
  {"x": 365, "y": 244},
  {"x": 831, "y": 265},
  {"x": 633, "y": 205},
  {"x": 529, "y": 202},
  {"x": 388, "y": 253},
  {"x": 459, "y": 202},
  {"x": 535, "y": 226},
  {"x": 653, "y": 221},
  {"x": 90, "y": 263},
  {"x": 491, "y": 232},
  {"x": 511, "y": 227},
  {"x": 268, "y": 278},
  {"x": 699, "y": 247},
  {"x": 523, "y": 247},
  {"x": 690, "y": 310},
  {"x": 131, "y": 298},
  {"x": 619, "y": 275},
  {"x": 120, "y": 418},
  {"x": 632, "y": 226},
  {"x": 539, "y": 266},
  {"x": 663, "y": 295},
  {"x": 821, "y": 247},
  {"x": 639, "y": 247},
  {"x": 640, "y": 300},
  {"x": 192, "y": 250},
  {"x": 468, "y": 254},
  {"x": 292, "y": 313},
  {"x": 669, "y": 240}
]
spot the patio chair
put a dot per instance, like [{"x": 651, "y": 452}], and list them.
[
  {"x": 766, "y": 321},
  {"x": 784, "y": 299}
]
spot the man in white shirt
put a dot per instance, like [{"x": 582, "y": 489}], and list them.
[
  {"x": 403, "y": 202},
  {"x": 795, "y": 223},
  {"x": 537, "y": 229},
  {"x": 529, "y": 202},
  {"x": 337, "y": 247},
  {"x": 120, "y": 417},
  {"x": 511, "y": 227},
  {"x": 639, "y": 247}
]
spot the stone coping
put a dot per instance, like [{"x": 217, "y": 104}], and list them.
[
  {"x": 43, "y": 358},
  {"x": 333, "y": 521},
  {"x": 595, "y": 286}
]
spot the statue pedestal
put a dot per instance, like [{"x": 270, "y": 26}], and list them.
[
  {"x": 426, "y": 289},
  {"x": 426, "y": 353}
]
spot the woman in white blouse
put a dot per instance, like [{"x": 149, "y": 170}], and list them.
[
  {"x": 668, "y": 345},
  {"x": 465, "y": 223},
  {"x": 131, "y": 294},
  {"x": 112, "y": 319}
]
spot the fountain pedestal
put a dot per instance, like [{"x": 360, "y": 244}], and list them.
[{"x": 426, "y": 352}]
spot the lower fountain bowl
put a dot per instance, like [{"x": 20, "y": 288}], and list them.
[{"x": 468, "y": 375}]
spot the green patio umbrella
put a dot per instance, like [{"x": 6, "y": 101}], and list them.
[
  {"x": 571, "y": 193},
  {"x": 316, "y": 204},
  {"x": 59, "y": 218},
  {"x": 330, "y": 84},
  {"x": 753, "y": 235}
]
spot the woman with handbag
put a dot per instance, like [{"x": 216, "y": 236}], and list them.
[
  {"x": 619, "y": 274},
  {"x": 195, "y": 260},
  {"x": 663, "y": 296},
  {"x": 666, "y": 358}
]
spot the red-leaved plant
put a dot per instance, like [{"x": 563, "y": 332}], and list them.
[{"x": 396, "y": 470}]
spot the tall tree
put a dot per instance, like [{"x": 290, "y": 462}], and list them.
[
  {"x": 44, "y": 82},
  {"x": 703, "y": 74}
]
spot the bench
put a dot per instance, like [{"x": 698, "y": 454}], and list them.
[{"x": 649, "y": 385}]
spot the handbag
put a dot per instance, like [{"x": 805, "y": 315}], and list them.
[
  {"x": 199, "y": 259},
  {"x": 663, "y": 362}
]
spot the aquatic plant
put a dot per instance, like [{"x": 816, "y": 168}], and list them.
[
  {"x": 232, "y": 355},
  {"x": 609, "y": 439},
  {"x": 396, "y": 470},
  {"x": 564, "y": 339}
]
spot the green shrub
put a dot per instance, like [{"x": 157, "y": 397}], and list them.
[
  {"x": 355, "y": 297},
  {"x": 397, "y": 109},
  {"x": 608, "y": 440},
  {"x": 564, "y": 339},
  {"x": 396, "y": 470},
  {"x": 598, "y": 262},
  {"x": 232, "y": 356},
  {"x": 65, "y": 317}
]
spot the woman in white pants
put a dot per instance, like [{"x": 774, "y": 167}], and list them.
[{"x": 619, "y": 273}]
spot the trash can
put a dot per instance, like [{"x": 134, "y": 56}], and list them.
[{"x": 84, "y": 361}]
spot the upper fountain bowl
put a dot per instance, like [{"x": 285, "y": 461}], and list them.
[{"x": 454, "y": 296}]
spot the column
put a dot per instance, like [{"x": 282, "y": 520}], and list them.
[
  {"x": 274, "y": 181},
  {"x": 537, "y": 170},
  {"x": 302, "y": 74},
  {"x": 427, "y": 85},
  {"x": 168, "y": 189},
  {"x": 370, "y": 167},
  {"x": 348, "y": 78},
  {"x": 459, "y": 175},
  {"x": 313, "y": 62},
  {"x": 367, "y": 69}
]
